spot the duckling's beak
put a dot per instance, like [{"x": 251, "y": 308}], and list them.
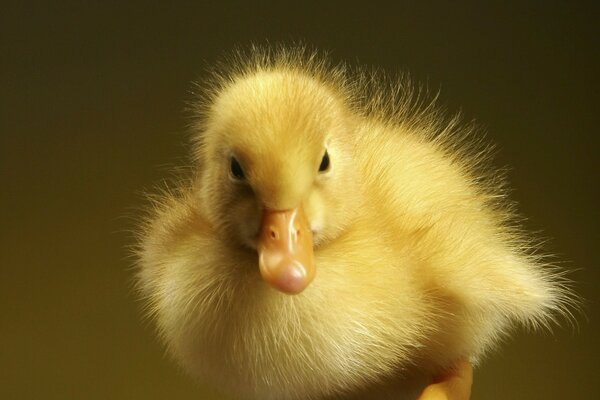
[{"x": 285, "y": 250}]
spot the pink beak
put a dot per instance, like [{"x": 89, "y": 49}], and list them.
[{"x": 285, "y": 250}]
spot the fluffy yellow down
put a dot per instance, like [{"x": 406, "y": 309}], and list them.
[{"x": 418, "y": 261}]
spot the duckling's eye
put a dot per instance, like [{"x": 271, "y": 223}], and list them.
[
  {"x": 324, "y": 162},
  {"x": 236, "y": 169}
]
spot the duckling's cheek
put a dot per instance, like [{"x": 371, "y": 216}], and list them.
[
  {"x": 245, "y": 218},
  {"x": 315, "y": 213}
]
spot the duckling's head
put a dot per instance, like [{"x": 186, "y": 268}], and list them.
[{"x": 276, "y": 171}]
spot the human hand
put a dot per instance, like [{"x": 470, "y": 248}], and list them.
[{"x": 455, "y": 385}]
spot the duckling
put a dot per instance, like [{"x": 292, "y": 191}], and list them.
[{"x": 338, "y": 238}]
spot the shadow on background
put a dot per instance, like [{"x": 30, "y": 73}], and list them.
[{"x": 91, "y": 116}]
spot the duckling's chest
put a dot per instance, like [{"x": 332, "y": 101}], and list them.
[{"x": 361, "y": 319}]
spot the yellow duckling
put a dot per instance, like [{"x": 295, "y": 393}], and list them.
[{"x": 335, "y": 240}]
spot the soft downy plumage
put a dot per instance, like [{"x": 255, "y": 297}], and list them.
[{"x": 419, "y": 261}]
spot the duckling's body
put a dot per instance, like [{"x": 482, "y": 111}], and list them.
[{"x": 416, "y": 264}]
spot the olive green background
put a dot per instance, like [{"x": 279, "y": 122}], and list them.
[{"x": 91, "y": 116}]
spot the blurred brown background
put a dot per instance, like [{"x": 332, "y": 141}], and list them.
[{"x": 91, "y": 115}]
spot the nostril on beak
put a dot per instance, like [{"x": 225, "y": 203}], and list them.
[{"x": 273, "y": 233}]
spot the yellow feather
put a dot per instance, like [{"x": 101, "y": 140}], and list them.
[{"x": 419, "y": 260}]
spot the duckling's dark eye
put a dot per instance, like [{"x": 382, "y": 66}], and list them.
[
  {"x": 236, "y": 169},
  {"x": 324, "y": 162}
]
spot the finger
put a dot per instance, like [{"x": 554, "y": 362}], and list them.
[{"x": 455, "y": 385}]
